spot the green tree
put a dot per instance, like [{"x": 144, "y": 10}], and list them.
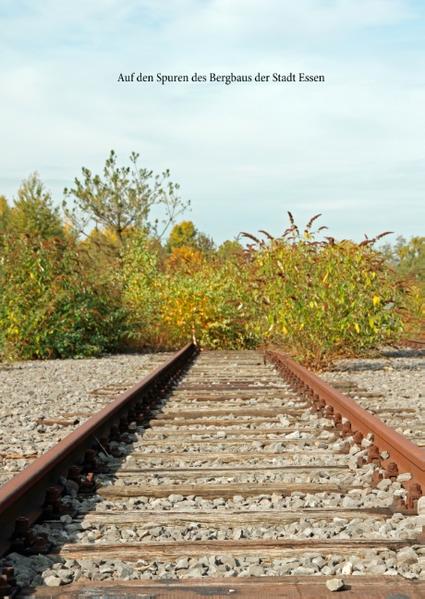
[
  {"x": 230, "y": 250},
  {"x": 182, "y": 234},
  {"x": 33, "y": 212},
  {"x": 408, "y": 256},
  {"x": 185, "y": 234},
  {"x": 122, "y": 198}
]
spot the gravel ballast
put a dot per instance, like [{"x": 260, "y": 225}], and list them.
[
  {"x": 60, "y": 389},
  {"x": 155, "y": 447},
  {"x": 391, "y": 385}
]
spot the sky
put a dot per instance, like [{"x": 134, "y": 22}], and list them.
[{"x": 351, "y": 147}]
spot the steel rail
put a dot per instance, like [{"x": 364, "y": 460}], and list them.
[
  {"x": 404, "y": 456},
  {"x": 24, "y": 495}
]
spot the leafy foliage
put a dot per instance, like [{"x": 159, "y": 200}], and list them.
[
  {"x": 49, "y": 305},
  {"x": 32, "y": 212},
  {"x": 325, "y": 299},
  {"x": 408, "y": 256},
  {"x": 62, "y": 295},
  {"x": 4, "y": 217},
  {"x": 408, "y": 260},
  {"x": 185, "y": 234},
  {"x": 189, "y": 297}
]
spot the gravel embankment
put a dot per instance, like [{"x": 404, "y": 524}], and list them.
[
  {"x": 56, "y": 389},
  {"x": 392, "y": 386}
]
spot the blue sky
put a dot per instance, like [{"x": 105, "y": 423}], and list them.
[{"x": 351, "y": 148}]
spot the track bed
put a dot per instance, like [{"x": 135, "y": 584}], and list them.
[{"x": 231, "y": 484}]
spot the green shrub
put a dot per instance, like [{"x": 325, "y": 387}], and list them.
[
  {"x": 50, "y": 306},
  {"x": 189, "y": 296},
  {"x": 321, "y": 299}
]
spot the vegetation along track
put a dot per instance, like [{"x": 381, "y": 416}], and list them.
[{"x": 218, "y": 476}]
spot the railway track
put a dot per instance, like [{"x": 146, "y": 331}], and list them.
[{"x": 220, "y": 474}]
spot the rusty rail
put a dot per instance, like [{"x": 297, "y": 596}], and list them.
[
  {"x": 25, "y": 497},
  {"x": 352, "y": 419}
]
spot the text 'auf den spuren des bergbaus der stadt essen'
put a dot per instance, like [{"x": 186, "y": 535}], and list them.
[{"x": 227, "y": 79}]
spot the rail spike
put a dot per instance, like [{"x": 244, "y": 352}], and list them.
[
  {"x": 26, "y": 542},
  {"x": 391, "y": 470},
  {"x": 414, "y": 493},
  {"x": 54, "y": 507},
  {"x": 346, "y": 429},
  {"x": 373, "y": 455}
]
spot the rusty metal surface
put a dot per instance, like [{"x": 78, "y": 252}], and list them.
[
  {"x": 288, "y": 587},
  {"x": 406, "y": 455},
  {"x": 24, "y": 495}
]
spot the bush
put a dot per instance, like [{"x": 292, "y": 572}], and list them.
[
  {"x": 408, "y": 260},
  {"x": 187, "y": 296},
  {"x": 318, "y": 299},
  {"x": 211, "y": 304},
  {"x": 322, "y": 299},
  {"x": 50, "y": 307}
]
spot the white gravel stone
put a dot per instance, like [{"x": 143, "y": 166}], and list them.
[
  {"x": 405, "y": 476},
  {"x": 52, "y": 581},
  {"x": 335, "y": 584}
]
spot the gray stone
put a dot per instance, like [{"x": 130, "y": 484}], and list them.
[
  {"x": 421, "y": 505},
  {"x": 228, "y": 561},
  {"x": 194, "y": 573},
  {"x": 72, "y": 488},
  {"x": 52, "y": 581},
  {"x": 303, "y": 571},
  {"x": 384, "y": 484},
  {"x": 66, "y": 519},
  {"x": 407, "y": 555},
  {"x": 347, "y": 569},
  {"x": 124, "y": 571},
  {"x": 65, "y": 575},
  {"x": 405, "y": 476},
  {"x": 255, "y": 570},
  {"x": 335, "y": 584},
  {"x": 350, "y": 502},
  {"x": 182, "y": 563},
  {"x": 175, "y": 498}
]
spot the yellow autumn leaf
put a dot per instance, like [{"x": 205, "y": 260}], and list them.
[
  {"x": 376, "y": 300},
  {"x": 356, "y": 326}
]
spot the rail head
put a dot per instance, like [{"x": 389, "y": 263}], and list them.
[{"x": 407, "y": 456}]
